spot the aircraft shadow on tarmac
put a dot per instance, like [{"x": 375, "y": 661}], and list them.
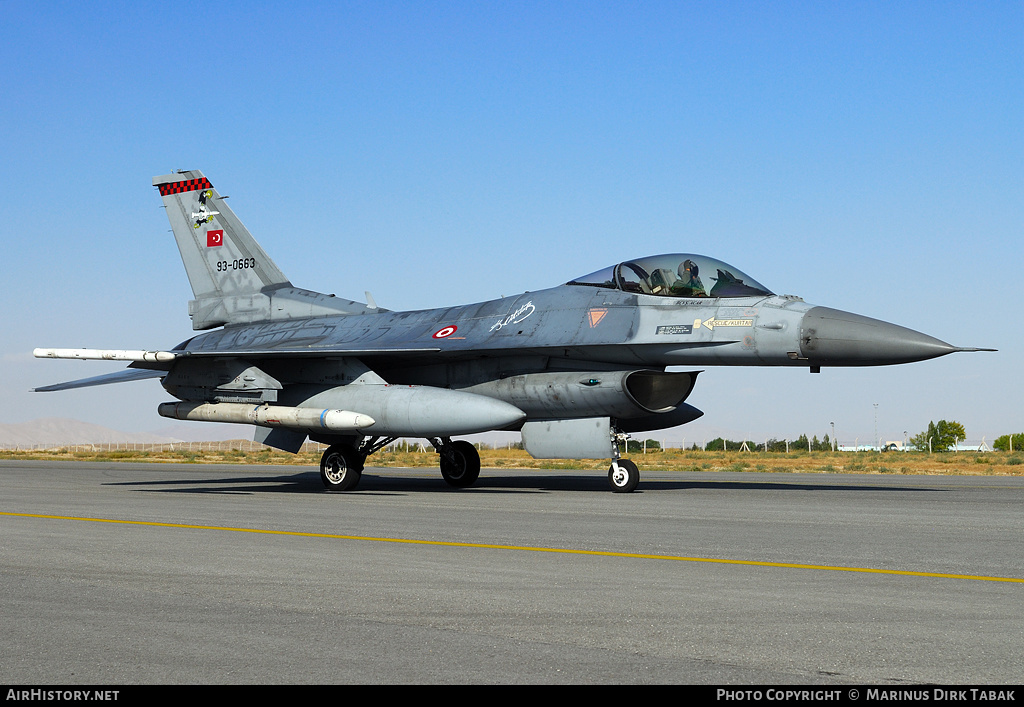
[{"x": 309, "y": 482}]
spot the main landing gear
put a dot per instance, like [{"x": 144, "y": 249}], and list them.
[
  {"x": 460, "y": 462},
  {"x": 341, "y": 466}
]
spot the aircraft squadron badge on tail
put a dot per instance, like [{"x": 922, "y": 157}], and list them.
[{"x": 574, "y": 368}]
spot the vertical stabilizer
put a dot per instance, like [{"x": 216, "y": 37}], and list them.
[
  {"x": 220, "y": 255},
  {"x": 234, "y": 281}
]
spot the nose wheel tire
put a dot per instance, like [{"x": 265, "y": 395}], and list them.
[
  {"x": 623, "y": 476},
  {"x": 460, "y": 464},
  {"x": 340, "y": 469}
]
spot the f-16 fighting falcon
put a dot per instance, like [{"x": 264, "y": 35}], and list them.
[{"x": 574, "y": 368}]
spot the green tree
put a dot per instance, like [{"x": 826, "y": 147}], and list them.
[
  {"x": 1003, "y": 442},
  {"x": 635, "y": 446},
  {"x": 716, "y": 445},
  {"x": 824, "y": 445},
  {"x": 943, "y": 435},
  {"x": 730, "y": 445}
]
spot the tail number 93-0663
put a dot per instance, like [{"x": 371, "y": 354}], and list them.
[{"x": 241, "y": 264}]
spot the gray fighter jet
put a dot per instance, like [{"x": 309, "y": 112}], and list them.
[{"x": 574, "y": 368}]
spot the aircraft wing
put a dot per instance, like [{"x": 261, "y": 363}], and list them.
[
  {"x": 162, "y": 359},
  {"x": 130, "y": 374},
  {"x": 297, "y": 352},
  {"x": 155, "y": 364}
]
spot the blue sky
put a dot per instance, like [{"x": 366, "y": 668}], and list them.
[{"x": 863, "y": 155}]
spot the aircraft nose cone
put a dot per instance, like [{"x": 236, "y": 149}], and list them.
[{"x": 832, "y": 337}]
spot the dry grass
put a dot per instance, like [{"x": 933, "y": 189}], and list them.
[{"x": 949, "y": 463}]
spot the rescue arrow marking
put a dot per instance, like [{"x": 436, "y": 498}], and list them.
[{"x": 712, "y": 323}]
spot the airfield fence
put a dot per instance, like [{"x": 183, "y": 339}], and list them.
[
  {"x": 240, "y": 445},
  {"x": 248, "y": 445},
  {"x": 231, "y": 445}
]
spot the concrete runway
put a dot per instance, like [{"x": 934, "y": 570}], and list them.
[{"x": 151, "y": 573}]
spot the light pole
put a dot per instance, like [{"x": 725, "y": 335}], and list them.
[
  {"x": 834, "y": 445},
  {"x": 876, "y": 427}
]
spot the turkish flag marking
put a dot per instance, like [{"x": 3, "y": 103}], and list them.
[{"x": 214, "y": 238}]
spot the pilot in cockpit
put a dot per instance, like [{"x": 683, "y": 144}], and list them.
[{"x": 688, "y": 284}]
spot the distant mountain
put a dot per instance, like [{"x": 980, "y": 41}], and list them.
[{"x": 62, "y": 431}]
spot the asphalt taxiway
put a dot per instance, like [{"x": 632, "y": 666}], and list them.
[{"x": 152, "y": 573}]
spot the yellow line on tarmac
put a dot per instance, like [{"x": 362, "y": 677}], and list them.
[{"x": 525, "y": 548}]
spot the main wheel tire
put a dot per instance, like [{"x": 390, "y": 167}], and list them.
[
  {"x": 340, "y": 468},
  {"x": 460, "y": 468},
  {"x": 623, "y": 476}
]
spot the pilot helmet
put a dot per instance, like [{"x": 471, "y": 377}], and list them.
[{"x": 688, "y": 266}]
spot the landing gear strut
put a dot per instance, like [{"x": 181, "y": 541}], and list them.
[
  {"x": 623, "y": 476},
  {"x": 460, "y": 462}
]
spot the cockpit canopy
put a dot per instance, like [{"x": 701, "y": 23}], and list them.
[{"x": 676, "y": 275}]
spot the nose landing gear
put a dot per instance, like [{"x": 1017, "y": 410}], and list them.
[{"x": 623, "y": 476}]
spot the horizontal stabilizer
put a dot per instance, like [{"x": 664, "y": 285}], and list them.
[{"x": 130, "y": 374}]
